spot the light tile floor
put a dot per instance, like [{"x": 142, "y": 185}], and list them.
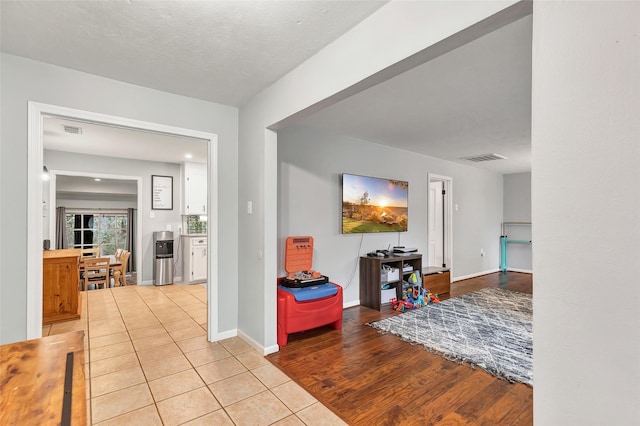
[{"x": 148, "y": 361}]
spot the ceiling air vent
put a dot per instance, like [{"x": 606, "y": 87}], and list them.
[
  {"x": 73, "y": 130},
  {"x": 484, "y": 157}
]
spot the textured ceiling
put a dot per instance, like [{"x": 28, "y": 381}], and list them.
[
  {"x": 220, "y": 51},
  {"x": 473, "y": 100},
  {"x": 110, "y": 141}
]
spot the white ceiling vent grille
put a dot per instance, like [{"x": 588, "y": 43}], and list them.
[
  {"x": 484, "y": 157},
  {"x": 73, "y": 130}
]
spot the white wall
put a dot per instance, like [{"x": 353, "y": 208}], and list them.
[
  {"x": 24, "y": 80},
  {"x": 310, "y": 164},
  {"x": 58, "y": 160},
  {"x": 378, "y": 48},
  {"x": 586, "y": 212},
  {"x": 97, "y": 201},
  {"x": 517, "y": 208}
]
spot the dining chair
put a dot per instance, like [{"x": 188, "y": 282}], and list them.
[
  {"x": 90, "y": 252},
  {"x": 96, "y": 271},
  {"x": 122, "y": 269},
  {"x": 118, "y": 253}
]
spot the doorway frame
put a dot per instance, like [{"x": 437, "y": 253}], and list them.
[
  {"x": 447, "y": 184},
  {"x": 52, "y": 203},
  {"x": 35, "y": 135}
]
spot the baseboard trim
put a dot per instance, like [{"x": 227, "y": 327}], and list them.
[
  {"x": 478, "y": 274},
  {"x": 524, "y": 271},
  {"x": 257, "y": 346},
  {"x": 270, "y": 350},
  {"x": 227, "y": 334},
  {"x": 351, "y": 304}
]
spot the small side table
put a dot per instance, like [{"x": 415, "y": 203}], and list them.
[{"x": 436, "y": 279}]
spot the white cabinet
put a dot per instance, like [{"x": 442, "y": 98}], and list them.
[
  {"x": 194, "y": 257},
  {"x": 194, "y": 190}
]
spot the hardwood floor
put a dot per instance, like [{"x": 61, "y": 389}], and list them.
[{"x": 369, "y": 378}]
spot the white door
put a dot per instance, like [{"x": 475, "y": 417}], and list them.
[
  {"x": 436, "y": 223},
  {"x": 198, "y": 263}
]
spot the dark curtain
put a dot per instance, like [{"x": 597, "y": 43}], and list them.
[
  {"x": 61, "y": 228},
  {"x": 131, "y": 239}
]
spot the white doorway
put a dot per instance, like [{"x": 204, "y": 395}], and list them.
[
  {"x": 53, "y": 189},
  {"x": 436, "y": 223},
  {"x": 439, "y": 219},
  {"x": 37, "y": 112}
]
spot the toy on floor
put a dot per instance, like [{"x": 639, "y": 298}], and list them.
[
  {"x": 413, "y": 294},
  {"x": 401, "y": 305}
]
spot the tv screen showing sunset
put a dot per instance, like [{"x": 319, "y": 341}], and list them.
[{"x": 371, "y": 204}]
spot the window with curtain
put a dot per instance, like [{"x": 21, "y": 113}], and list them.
[{"x": 106, "y": 230}]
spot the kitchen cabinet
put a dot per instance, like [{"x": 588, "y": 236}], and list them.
[
  {"x": 194, "y": 257},
  {"x": 194, "y": 190}
]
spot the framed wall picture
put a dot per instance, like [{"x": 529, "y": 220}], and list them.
[{"x": 161, "y": 192}]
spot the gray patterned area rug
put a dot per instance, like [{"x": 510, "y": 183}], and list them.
[{"x": 490, "y": 328}]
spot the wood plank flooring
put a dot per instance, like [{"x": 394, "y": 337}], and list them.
[{"x": 369, "y": 378}]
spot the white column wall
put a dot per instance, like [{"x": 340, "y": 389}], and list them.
[{"x": 586, "y": 212}]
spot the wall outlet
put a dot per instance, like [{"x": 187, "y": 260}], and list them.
[
  {"x": 481, "y": 252},
  {"x": 168, "y": 227}
]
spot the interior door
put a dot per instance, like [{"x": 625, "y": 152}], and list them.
[{"x": 436, "y": 223}]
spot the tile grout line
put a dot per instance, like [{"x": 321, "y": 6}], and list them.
[
  {"x": 89, "y": 344},
  {"x": 155, "y": 403},
  {"x": 181, "y": 351},
  {"x": 267, "y": 389},
  {"x": 140, "y": 297}
]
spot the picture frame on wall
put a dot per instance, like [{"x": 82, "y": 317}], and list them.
[{"x": 161, "y": 192}]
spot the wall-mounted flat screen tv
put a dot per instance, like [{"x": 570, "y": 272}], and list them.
[{"x": 372, "y": 204}]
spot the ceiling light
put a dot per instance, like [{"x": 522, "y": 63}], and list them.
[
  {"x": 45, "y": 173},
  {"x": 97, "y": 179},
  {"x": 484, "y": 157},
  {"x": 188, "y": 156}
]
